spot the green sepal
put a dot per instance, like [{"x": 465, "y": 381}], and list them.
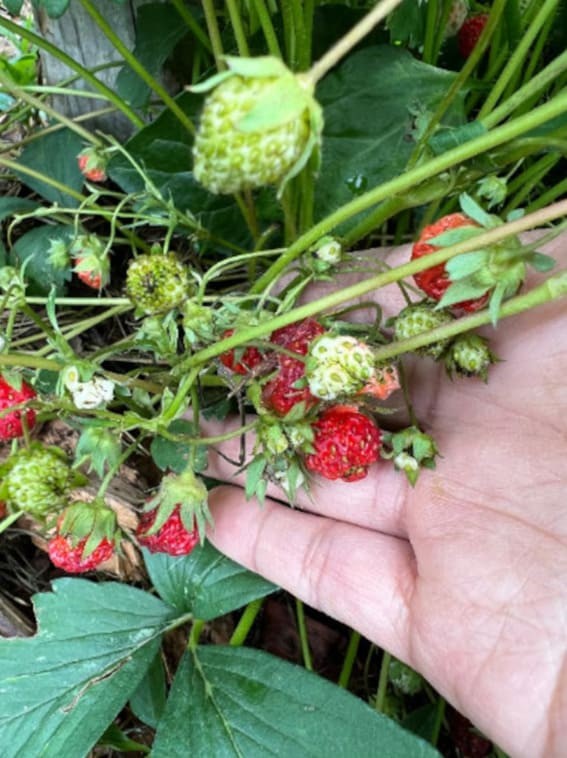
[
  {"x": 13, "y": 378},
  {"x": 540, "y": 262},
  {"x": 464, "y": 289},
  {"x": 262, "y": 66},
  {"x": 210, "y": 83},
  {"x": 281, "y": 103},
  {"x": 496, "y": 302},
  {"x": 254, "y": 473},
  {"x": 473, "y": 210},
  {"x": 515, "y": 215},
  {"x": 466, "y": 264},
  {"x": 455, "y": 236},
  {"x": 312, "y": 146}
]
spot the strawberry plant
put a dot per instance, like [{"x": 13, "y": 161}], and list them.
[{"x": 217, "y": 292}]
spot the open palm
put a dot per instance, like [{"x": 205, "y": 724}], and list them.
[{"x": 463, "y": 577}]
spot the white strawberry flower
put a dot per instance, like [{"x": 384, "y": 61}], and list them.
[
  {"x": 71, "y": 378},
  {"x": 92, "y": 394}
]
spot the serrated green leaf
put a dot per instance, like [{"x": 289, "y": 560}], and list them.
[
  {"x": 61, "y": 688},
  {"x": 368, "y": 135},
  {"x": 176, "y": 456},
  {"x": 10, "y": 206},
  {"x": 234, "y": 702},
  {"x": 205, "y": 582},
  {"x": 55, "y": 155},
  {"x": 31, "y": 249},
  {"x": 148, "y": 701},
  {"x": 466, "y": 264},
  {"x": 158, "y": 31},
  {"x": 423, "y": 721},
  {"x": 54, "y": 8},
  {"x": 115, "y": 738}
]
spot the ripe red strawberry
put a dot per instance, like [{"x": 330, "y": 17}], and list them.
[
  {"x": 346, "y": 443},
  {"x": 92, "y": 165},
  {"x": 172, "y": 537},
  {"x": 11, "y": 422},
  {"x": 250, "y": 358},
  {"x": 280, "y": 394},
  {"x": 68, "y": 556},
  {"x": 434, "y": 281},
  {"x": 470, "y": 32},
  {"x": 91, "y": 278}
]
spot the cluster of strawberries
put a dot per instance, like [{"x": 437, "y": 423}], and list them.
[{"x": 37, "y": 480}]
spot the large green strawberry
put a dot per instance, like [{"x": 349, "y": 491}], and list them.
[
  {"x": 258, "y": 126},
  {"x": 38, "y": 480}
]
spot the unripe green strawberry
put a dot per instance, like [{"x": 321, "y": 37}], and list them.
[
  {"x": 469, "y": 355},
  {"x": 157, "y": 283},
  {"x": 338, "y": 365},
  {"x": 258, "y": 126},
  {"x": 39, "y": 480},
  {"x": 419, "y": 318}
]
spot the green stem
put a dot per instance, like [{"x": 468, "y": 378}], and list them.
[
  {"x": 546, "y": 76},
  {"x": 9, "y": 520},
  {"x": 136, "y": 66},
  {"x": 301, "y": 44},
  {"x": 214, "y": 33},
  {"x": 430, "y": 28},
  {"x": 246, "y": 622},
  {"x": 558, "y": 190},
  {"x": 539, "y": 47},
  {"x": 81, "y": 301},
  {"x": 438, "y": 723},
  {"x": 83, "y": 72},
  {"x": 238, "y": 28},
  {"x": 406, "y": 181},
  {"x": 176, "y": 404},
  {"x": 531, "y": 179},
  {"x": 356, "y": 291},
  {"x": 350, "y": 39},
  {"x": 383, "y": 682},
  {"x": 303, "y": 637},
  {"x": 553, "y": 288},
  {"x": 267, "y": 28},
  {"x": 289, "y": 32},
  {"x": 195, "y": 633},
  {"x": 349, "y": 660},
  {"x": 518, "y": 57},
  {"x": 192, "y": 24},
  {"x": 461, "y": 78},
  {"x": 111, "y": 473},
  {"x": 308, "y": 14}
]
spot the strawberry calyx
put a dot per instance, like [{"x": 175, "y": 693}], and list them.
[
  {"x": 88, "y": 524},
  {"x": 410, "y": 450},
  {"x": 185, "y": 493}
]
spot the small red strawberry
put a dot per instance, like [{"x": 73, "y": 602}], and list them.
[
  {"x": 346, "y": 443},
  {"x": 92, "y": 164},
  {"x": 85, "y": 537},
  {"x": 470, "y": 32},
  {"x": 172, "y": 537},
  {"x": 248, "y": 360},
  {"x": 70, "y": 557},
  {"x": 11, "y": 422},
  {"x": 300, "y": 334},
  {"x": 89, "y": 277},
  {"x": 434, "y": 281},
  {"x": 281, "y": 393}
]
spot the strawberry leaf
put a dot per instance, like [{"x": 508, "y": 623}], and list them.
[
  {"x": 245, "y": 702},
  {"x": 205, "y": 582},
  {"x": 69, "y": 681}
]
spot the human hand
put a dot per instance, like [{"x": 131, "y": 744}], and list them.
[{"x": 463, "y": 577}]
